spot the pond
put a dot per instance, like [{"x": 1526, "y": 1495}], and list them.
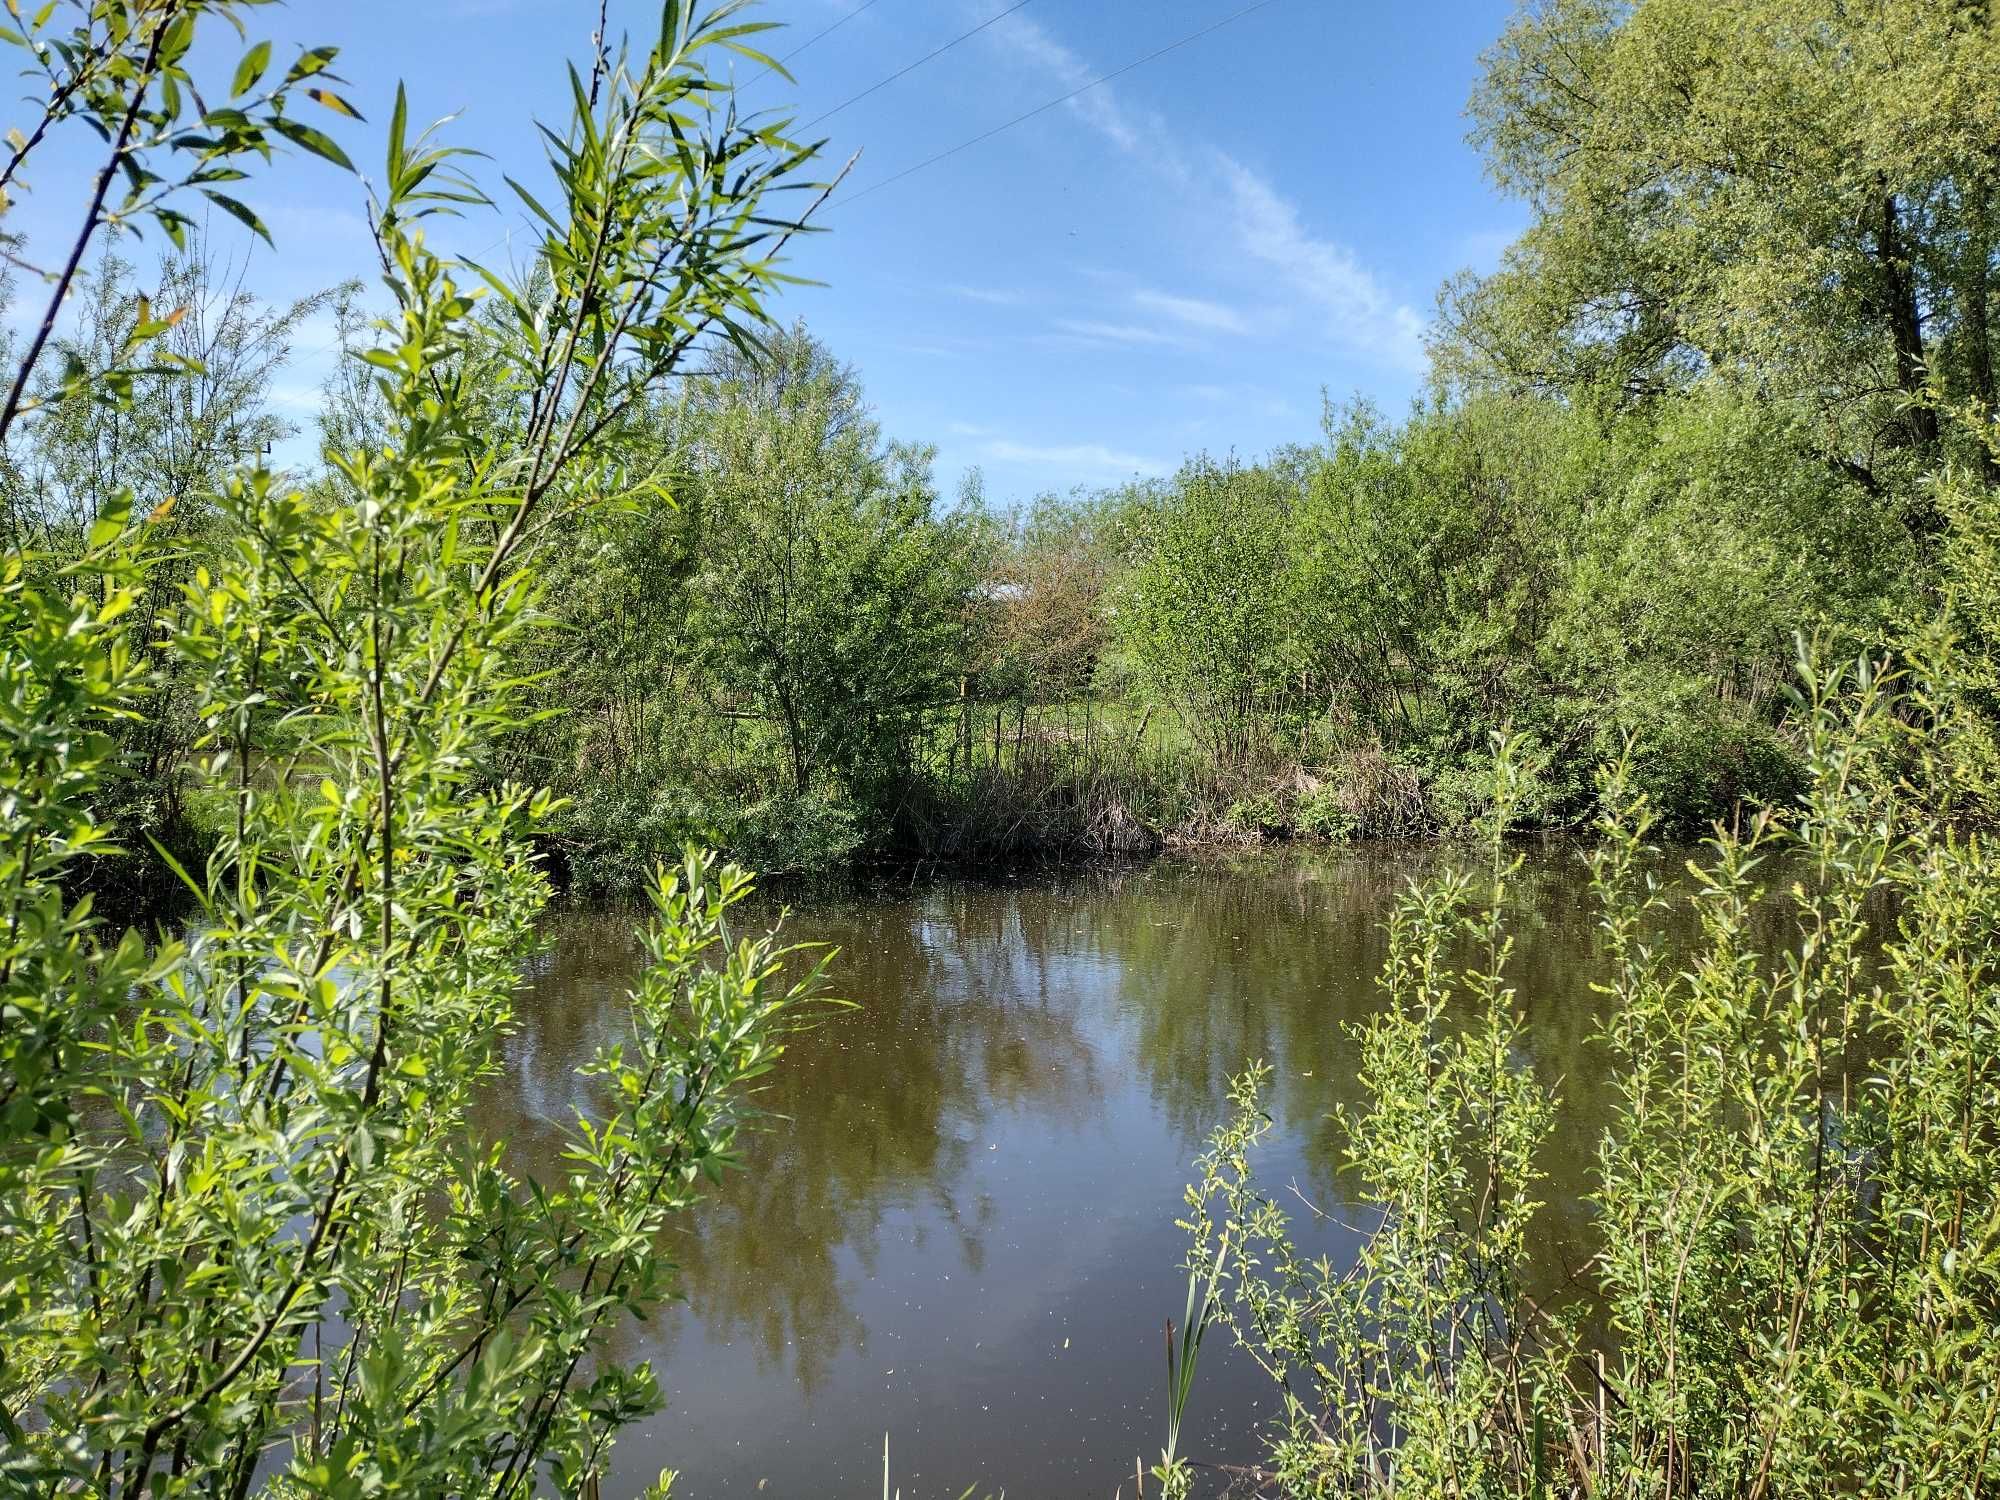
[{"x": 961, "y": 1231}]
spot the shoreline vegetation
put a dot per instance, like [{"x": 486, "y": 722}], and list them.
[
  {"x": 593, "y": 558},
  {"x": 1611, "y": 516},
  {"x": 830, "y": 667}
]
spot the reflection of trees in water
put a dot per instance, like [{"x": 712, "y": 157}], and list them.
[
  {"x": 975, "y": 1000},
  {"x": 1278, "y": 958},
  {"x": 959, "y": 1011}
]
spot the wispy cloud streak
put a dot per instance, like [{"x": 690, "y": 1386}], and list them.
[
  {"x": 1083, "y": 458},
  {"x": 1357, "y": 311}
]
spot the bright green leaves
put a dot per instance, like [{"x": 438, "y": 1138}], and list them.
[
  {"x": 241, "y": 212},
  {"x": 250, "y": 70},
  {"x": 1796, "y": 196},
  {"x": 1204, "y": 610},
  {"x": 318, "y": 142},
  {"x": 204, "y": 1150},
  {"x": 146, "y": 327},
  {"x": 659, "y": 229},
  {"x": 67, "y": 674},
  {"x": 121, "y": 72},
  {"x": 421, "y": 177},
  {"x": 1794, "y": 1247},
  {"x": 829, "y": 589},
  {"x": 312, "y": 63}
]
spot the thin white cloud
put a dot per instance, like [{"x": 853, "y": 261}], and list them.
[
  {"x": 994, "y": 296},
  {"x": 1195, "y": 312},
  {"x": 1091, "y": 458},
  {"x": 1243, "y": 396},
  {"x": 1361, "y": 314},
  {"x": 1099, "y": 108},
  {"x": 1117, "y": 333}
]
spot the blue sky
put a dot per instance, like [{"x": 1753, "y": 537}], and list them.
[{"x": 1182, "y": 259}]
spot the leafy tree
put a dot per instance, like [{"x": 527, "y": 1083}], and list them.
[
  {"x": 247, "y": 1231},
  {"x": 1203, "y": 609},
  {"x": 1799, "y": 197},
  {"x": 1582, "y": 577},
  {"x": 1712, "y": 548},
  {"x": 1798, "y": 1276},
  {"x": 1430, "y": 560},
  {"x": 163, "y": 446},
  {"x": 831, "y": 591},
  {"x": 1049, "y": 626}
]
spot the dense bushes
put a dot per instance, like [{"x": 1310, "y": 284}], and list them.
[
  {"x": 1347, "y": 625},
  {"x": 251, "y": 1233},
  {"x": 1794, "y": 1282},
  {"x": 1797, "y": 1225},
  {"x": 1736, "y": 381},
  {"x": 754, "y": 648}
]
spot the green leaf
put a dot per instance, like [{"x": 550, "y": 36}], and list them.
[
  {"x": 200, "y": 895},
  {"x": 106, "y": 528},
  {"x": 179, "y": 37},
  {"x": 149, "y": 327},
  {"x": 315, "y": 141},
  {"x": 399, "y": 120},
  {"x": 250, "y": 70},
  {"x": 529, "y": 198},
  {"x": 240, "y": 211},
  {"x": 314, "y": 60},
  {"x": 174, "y": 224}
]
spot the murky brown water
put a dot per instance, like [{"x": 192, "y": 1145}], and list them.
[{"x": 963, "y": 1234}]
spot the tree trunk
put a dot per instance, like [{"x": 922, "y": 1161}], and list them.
[
  {"x": 1979, "y": 335},
  {"x": 1906, "y": 327},
  {"x": 795, "y": 737}
]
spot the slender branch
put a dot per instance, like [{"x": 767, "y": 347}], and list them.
[
  {"x": 55, "y": 110},
  {"x": 93, "y": 217}
]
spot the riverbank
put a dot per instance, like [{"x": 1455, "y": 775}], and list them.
[{"x": 1047, "y": 805}]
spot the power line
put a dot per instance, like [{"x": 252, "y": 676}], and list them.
[
  {"x": 823, "y": 31},
  {"x": 800, "y": 130},
  {"x": 826, "y": 30},
  {"x": 987, "y": 135},
  {"x": 938, "y": 52}
]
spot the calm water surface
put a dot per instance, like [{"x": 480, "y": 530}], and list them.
[{"x": 962, "y": 1233}]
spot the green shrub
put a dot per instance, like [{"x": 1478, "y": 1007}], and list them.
[
  {"x": 249, "y": 1231},
  {"x": 1323, "y": 813},
  {"x": 1796, "y": 1290},
  {"x": 1258, "y": 814}
]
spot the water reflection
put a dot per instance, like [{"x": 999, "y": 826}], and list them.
[{"x": 959, "y": 1228}]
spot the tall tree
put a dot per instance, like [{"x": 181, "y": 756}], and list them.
[
  {"x": 832, "y": 587},
  {"x": 1796, "y": 194}
]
